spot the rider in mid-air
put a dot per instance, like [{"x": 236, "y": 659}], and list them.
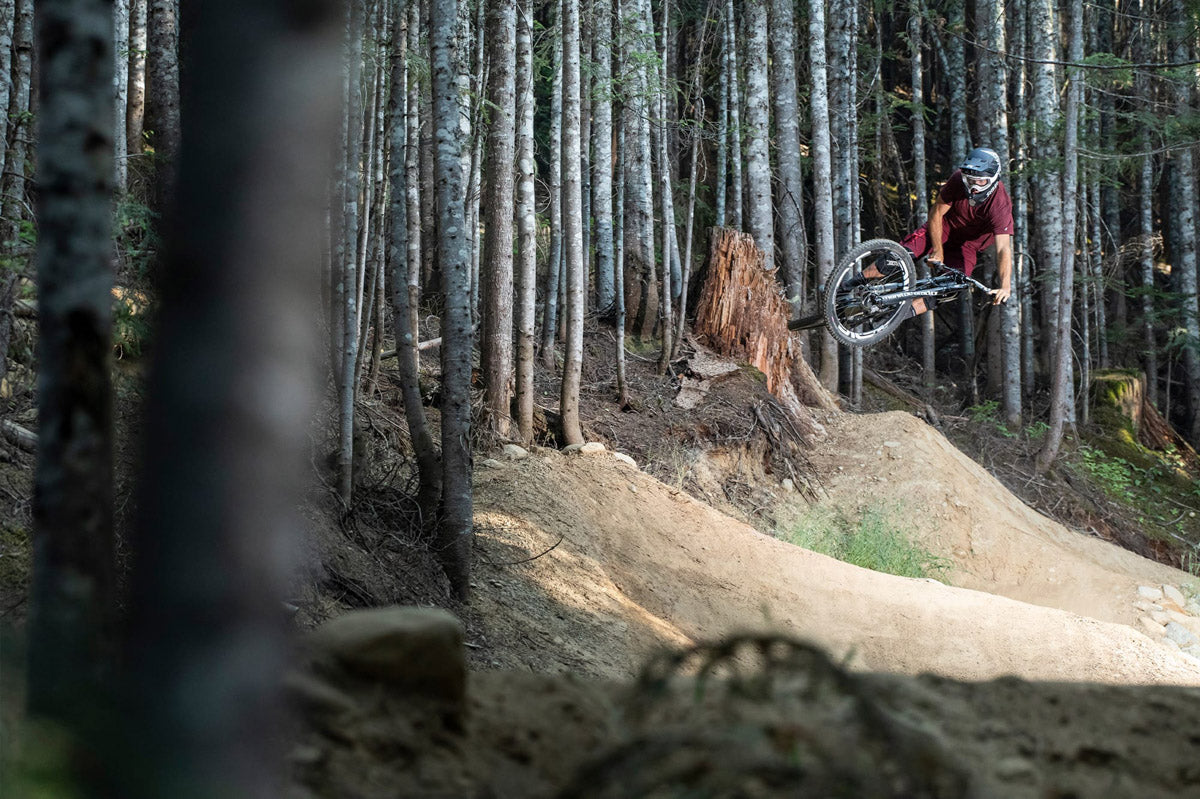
[{"x": 972, "y": 210}]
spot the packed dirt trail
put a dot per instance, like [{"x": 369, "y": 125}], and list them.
[{"x": 589, "y": 565}]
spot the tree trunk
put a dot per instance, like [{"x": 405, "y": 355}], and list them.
[
  {"x": 822, "y": 179},
  {"x": 73, "y": 590},
  {"x": 348, "y": 266},
  {"x": 226, "y": 449},
  {"x": 602, "y": 161},
  {"x": 496, "y": 350},
  {"x": 454, "y": 263},
  {"x": 526, "y": 272},
  {"x": 400, "y": 265},
  {"x": 619, "y": 272},
  {"x": 722, "y": 176},
  {"x": 572, "y": 227},
  {"x": 162, "y": 98},
  {"x": 1060, "y": 396},
  {"x": 736, "y": 186},
  {"x": 920, "y": 179},
  {"x": 120, "y": 88},
  {"x": 7, "y": 19},
  {"x": 136, "y": 107},
  {"x": 1146, "y": 218},
  {"x": 1047, "y": 184},
  {"x": 758, "y": 159},
  {"x": 554, "y": 275},
  {"x": 1019, "y": 182},
  {"x": 792, "y": 250}
]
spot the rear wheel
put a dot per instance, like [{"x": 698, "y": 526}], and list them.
[{"x": 856, "y": 310}]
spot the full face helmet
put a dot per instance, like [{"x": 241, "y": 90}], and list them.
[{"x": 980, "y": 173}]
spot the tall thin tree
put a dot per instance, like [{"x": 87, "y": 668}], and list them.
[
  {"x": 572, "y": 227},
  {"x": 454, "y": 263},
  {"x": 496, "y": 342}
]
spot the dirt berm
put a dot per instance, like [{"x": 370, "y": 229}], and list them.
[{"x": 630, "y": 564}]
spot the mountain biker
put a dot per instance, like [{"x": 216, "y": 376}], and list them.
[{"x": 972, "y": 210}]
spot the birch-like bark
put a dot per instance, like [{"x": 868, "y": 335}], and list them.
[
  {"x": 120, "y": 89},
  {"x": 454, "y": 263},
  {"x": 1047, "y": 182},
  {"x": 572, "y": 228},
  {"x": 8, "y": 9},
  {"x": 475, "y": 135},
  {"x": 602, "y": 160},
  {"x": 619, "y": 270},
  {"x": 73, "y": 590},
  {"x": 920, "y": 180},
  {"x": 670, "y": 242},
  {"x": 960, "y": 134},
  {"x": 758, "y": 158},
  {"x": 737, "y": 218},
  {"x": 1060, "y": 395},
  {"x": 415, "y": 111},
  {"x": 348, "y": 291},
  {"x": 822, "y": 179},
  {"x": 552, "y": 288},
  {"x": 136, "y": 106},
  {"x": 496, "y": 344},
  {"x": 400, "y": 262},
  {"x": 993, "y": 78},
  {"x": 792, "y": 248},
  {"x": 1019, "y": 183},
  {"x": 526, "y": 270}
]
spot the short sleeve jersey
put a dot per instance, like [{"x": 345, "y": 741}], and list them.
[{"x": 965, "y": 222}]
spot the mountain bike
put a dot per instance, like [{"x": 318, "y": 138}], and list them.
[{"x": 860, "y": 311}]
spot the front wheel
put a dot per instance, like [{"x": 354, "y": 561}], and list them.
[{"x": 859, "y": 309}]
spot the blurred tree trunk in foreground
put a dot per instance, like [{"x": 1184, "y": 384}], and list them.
[
  {"x": 73, "y": 604},
  {"x": 229, "y": 400}
]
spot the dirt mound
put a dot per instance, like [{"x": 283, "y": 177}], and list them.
[
  {"x": 608, "y": 561},
  {"x": 995, "y": 542},
  {"x": 587, "y": 569}
]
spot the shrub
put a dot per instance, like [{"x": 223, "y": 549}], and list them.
[{"x": 878, "y": 537}]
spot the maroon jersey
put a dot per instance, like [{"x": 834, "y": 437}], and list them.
[
  {"x": 966, "y": 229},
  {"x": 982, "y": 222}
]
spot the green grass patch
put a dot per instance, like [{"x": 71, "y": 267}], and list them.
[{"x": 878, "y": 537}]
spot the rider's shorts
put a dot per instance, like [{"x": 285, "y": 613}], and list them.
[{"x": 959, "y": 255}]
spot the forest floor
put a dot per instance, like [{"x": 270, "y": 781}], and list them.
[{"x": 1038, "y": 663}]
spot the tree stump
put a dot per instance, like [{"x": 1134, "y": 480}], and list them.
[
  {"x": 742, "y": 314},
  {"x": 1119, "y": 401}
]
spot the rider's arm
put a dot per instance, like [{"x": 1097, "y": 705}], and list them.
[
  {"x": 934, "y": 229},
  {"x": 1003, "y": 267}
]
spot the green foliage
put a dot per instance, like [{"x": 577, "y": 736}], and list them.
[
  {"x": 137, "y": 244},
  {"x": 988, "y": 413},
  {"x": 879, "y": 537},
  {"x": 1114, "y": 474}
]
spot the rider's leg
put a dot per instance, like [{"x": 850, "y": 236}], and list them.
[{"x": 914, "y": 242}]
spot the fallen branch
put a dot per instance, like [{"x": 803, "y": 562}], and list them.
[
  {"x": 18, "y": 436},
  {"x": 421, "y": 347},
  {"x": 891, "y": 389}
]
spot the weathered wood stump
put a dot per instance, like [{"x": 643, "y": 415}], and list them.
[
  {"x": 1119, "y": 402},
  {"x": 742, "y": 314}
]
